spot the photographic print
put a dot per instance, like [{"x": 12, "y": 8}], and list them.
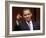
[
  {"x": 24, "y": 16},
  {"x": 25, "y": 19}
]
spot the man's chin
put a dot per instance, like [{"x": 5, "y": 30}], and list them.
[{"x": 28, "y": 20}]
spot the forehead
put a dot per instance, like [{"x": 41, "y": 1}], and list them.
[{"x": 26, "y": 11}]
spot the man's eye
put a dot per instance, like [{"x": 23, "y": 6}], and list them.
[
  {"x": 24, "y": 15},
  {"x": 28, "y": 14}
]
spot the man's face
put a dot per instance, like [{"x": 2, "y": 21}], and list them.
[{"x": 27, "y": 15}]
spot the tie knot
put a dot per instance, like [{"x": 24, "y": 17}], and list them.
[{"x": 29, "y": 23}]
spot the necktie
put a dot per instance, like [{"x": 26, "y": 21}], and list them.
[{"x": 29, "y": 24}]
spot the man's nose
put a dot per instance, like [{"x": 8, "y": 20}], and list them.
[{"x": 27, "y": 16}]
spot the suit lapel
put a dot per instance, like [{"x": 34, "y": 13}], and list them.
[{"x": 26, "y": 26}]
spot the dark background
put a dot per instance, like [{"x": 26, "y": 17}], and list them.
[{"x": 35, "y": 14}]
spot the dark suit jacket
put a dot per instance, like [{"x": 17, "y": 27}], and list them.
[{"x": 24, "y": 26}]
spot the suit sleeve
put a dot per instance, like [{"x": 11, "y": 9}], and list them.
[{"x": 16, "y": 26}]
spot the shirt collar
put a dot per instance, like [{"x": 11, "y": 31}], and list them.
[{"x": 29, "y": 22}]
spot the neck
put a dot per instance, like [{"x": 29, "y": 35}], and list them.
[{"x": 29, "y": 21}]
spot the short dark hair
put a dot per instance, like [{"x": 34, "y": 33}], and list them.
[{"x": 27, "y": 9}]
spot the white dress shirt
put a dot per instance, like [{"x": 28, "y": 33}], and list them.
[{"x": 30, "y": 24}]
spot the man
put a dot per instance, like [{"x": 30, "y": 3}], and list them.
[{"x": 28, "y": 23}]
